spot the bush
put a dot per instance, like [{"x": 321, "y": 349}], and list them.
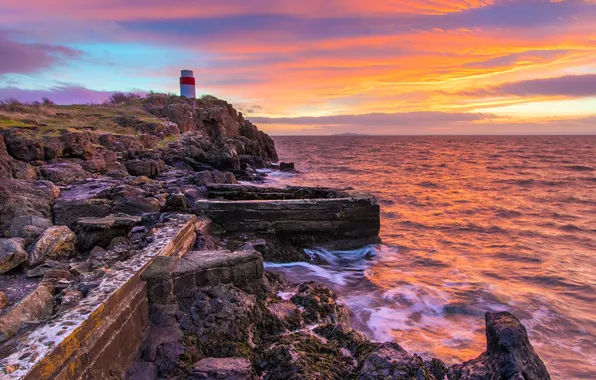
[
  {"x": 121, "y": 97},
  {"x": 47, "y": 102}
]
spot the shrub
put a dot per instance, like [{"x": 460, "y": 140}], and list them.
[{"x": 121, "y": 97}]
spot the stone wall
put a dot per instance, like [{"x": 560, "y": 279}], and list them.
[
  {"x": 352, "y": 216},
  {"x": 100, "y": 337}
]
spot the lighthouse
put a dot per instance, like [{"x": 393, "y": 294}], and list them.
[{"x": 187, "y": 84}]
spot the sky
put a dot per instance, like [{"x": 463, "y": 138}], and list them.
[{"x": 320, "y": 66}]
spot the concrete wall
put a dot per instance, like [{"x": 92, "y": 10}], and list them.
[{"x": 100, "y": 337}]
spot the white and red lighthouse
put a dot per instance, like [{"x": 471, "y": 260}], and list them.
[{"x": 187, "y": 84}]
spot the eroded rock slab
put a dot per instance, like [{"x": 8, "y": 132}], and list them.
[
  {"x": 57, "y": 242},
  {"x": 222, "y": 368}
]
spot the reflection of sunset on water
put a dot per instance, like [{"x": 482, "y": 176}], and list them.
[{"x": 469, "y": 225}]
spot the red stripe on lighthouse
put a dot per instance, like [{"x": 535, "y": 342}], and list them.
[{"x": 187, "y": 80}]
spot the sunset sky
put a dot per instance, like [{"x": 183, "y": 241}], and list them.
[{"x": 320, "y": 66}]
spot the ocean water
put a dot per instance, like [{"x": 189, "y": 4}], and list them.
[{"x": 469, "y": 225}]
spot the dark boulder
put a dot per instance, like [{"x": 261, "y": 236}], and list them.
[
  {"x": 24, "y": 148},
  {"x": 391, "y": 361},
  {"x": 508, "y": 356},
  {"x": 21, "y": 198},
  {"x": 28, "y": 227},
  {"x": 320, "y": 304},
  {"x": 78, "y": 144},
  {"x": 287, "y": 166}
]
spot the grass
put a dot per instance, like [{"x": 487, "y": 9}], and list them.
[{"x": 44, "y": 118}]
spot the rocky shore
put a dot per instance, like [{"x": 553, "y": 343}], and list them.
[{"x": 88, "y": 195}]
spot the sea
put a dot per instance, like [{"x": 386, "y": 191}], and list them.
[{"x": 468, "y": 225}]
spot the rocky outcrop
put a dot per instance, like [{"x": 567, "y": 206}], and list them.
[
  {"x": 509, "y": 354},
  {"x": 56, "y": 242},
  {"x": 145, "y": 167},
  {"x": 64, "y": 173},
  {"x": 12, "y": 254},
  {"x": 20, "y": 198}
]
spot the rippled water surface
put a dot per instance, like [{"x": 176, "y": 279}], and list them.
[{"x": 469, "y": 224}]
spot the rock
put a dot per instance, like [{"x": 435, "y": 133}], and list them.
[
  {"x": 287, "y": 314},
  {"x": 142, "y": 371},
  {"x": 119, "y": 243},
  {"x": 72, "y": 298},
  {"x": 319, "y": 303},
  {"x": 5, "y": 160},
  {"x": 23, "y": 147},
  {"x": 12, "y": 254},
  {"x": 346, "y": 337},
  {"x": 175, "y": 202},
  {"x": 57, "y": 242},
  {"x": 78, "y": 145},
  {"x": 508, "y": 355},
  {"x": 21, "y": 198},
  {"x": 221, "y": 320},
  {"x": 40, "y": 270},
  {"x": 67, "y": 211},
  {"x": 3, "y": 300},
  {"x": 214, "y": 176},
  {"x": 23, "y": 170},
  {"x": 64, "y": 173},
  {"x": 28, "y": 227},
  {"x": 145, "y": 167},
  {"x": 287, "y": 167},
  {"x": 304, "y": 356},
  {"x": 94, "y": 166},
  {"x": 164, "y": 347},
  {"x": 56, "y": 275},
  {"x": 391, "y": 361},
  {"x": 53, "y": 147},
  {"x": 93, "y": 232},
  {"x": 38, "y": 305},
  {"x": 222, "y": 368}
]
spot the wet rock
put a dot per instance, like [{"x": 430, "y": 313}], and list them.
[
  {"x": 12, "y": 254},
  {"x": 57, "y": 242},
  {"x": 23, "y": 170},
  {"x": 287, "y": 167},
  {"x": 221, "y": 321},
  {"x": 304, "y": 356},
  {"x": 28, "y": 227},
  {"x": 319, "y": 303},
  {"x": 145, "y": 167},
  {"x": 93, "y": 232},
  {"x": 222, "y": 368},
  {"x": 20, "y": 198},
  {"x": 64, "y": 173},
  {"x": 3, "y": 300},
  {"x": 287, "y": 314},
  {"x": 508, "y": 355},
  {"x": 346, "y": 337},
  {"x": 391, "y": 361},
  {"x": 214, "y": 176}
]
